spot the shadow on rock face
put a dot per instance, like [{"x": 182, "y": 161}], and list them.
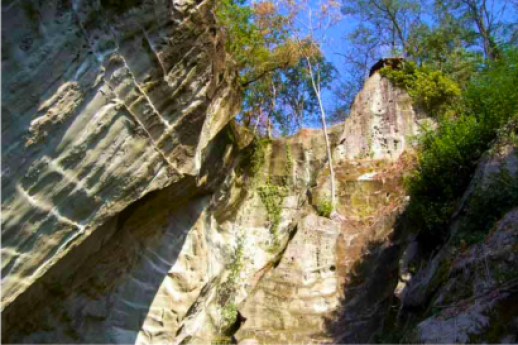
[
  {"x": 367, "y": 287},
  {"x": 125, "y": 282}
]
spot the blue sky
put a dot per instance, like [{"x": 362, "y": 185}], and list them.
[{"x": 337, "y": 43}]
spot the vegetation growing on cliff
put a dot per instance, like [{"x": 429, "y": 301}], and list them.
[
  {"x": 272, "y": 198},
  {"x": 324, "y": 208},
  {"x": 449, "y": 155},
  {"x": 228, "y": 289},
  {"x": 258, "y": 152},
  {"x": 431, "y": 90},
  {"x": 488, "y": 205},
  {"x": 458, "y": 70}
]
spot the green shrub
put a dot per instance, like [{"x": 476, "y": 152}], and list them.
[
  {"x": 447, "y": 157},
  {"x": 229, "y": 314},
  {"x": 324, "y": 208},
  {"x": 488, "y": 205},
  {"x": 431, "y": 90},
  {"x": 228, "y": 289},
  {"x": 258, "y": 154},
  {"x": 237, "y": 263},
  {"x": 272, "y": 198},
  {"x": 288, "y": 168}
]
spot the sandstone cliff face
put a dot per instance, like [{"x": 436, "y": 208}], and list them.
[
  {"x": 128, "y": 202},
  {"x": 381, "y": 123},
  {"x": 336, "y": 277},
  {"x": 169, "y": 257},
  {"x": 103, "y": 102},
  {"x": 135, "y": 211}
]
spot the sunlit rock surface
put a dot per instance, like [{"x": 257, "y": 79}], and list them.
[
  {"x": 335, "y": 278},
  {"x": 381, "y": 123},
  {"x": 103, "y": 102},
  {"x": 127, "y": 193},
  {"x": 160, "y": 277},
  {"x": 290, "y": 301}
]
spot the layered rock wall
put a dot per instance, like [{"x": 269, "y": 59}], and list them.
[
  {"x": 336, "y": 277},
  {"x": 103, "y": 102},
  {"x": 131, "y": 210}
]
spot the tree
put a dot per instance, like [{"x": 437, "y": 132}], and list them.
[
  {"x": 491, "y": 22},
  {"x": 309, "y": 23},
  {"x": 447, "y": 46},
  {"x": 284, "y": 101},
  {"x": 486, "y": 18},
  {"x": 257, "y": 39},
  {"x": 385, "y": 22},
  {"x": 296, "y": 101}
]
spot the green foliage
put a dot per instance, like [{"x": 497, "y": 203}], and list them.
[
  {"x": 488, "y": 205},
  {"x": 432, "y": 90},
  {"x": 237, "y": 263},
  {"x": 288, "y": 168},
  {"x": 273, "y": 71},
  {"x": 258, "y": 154},
  {"x": 448, "y": 157},
  {"x": 272, "y": 198},
  {"x": 242, "y": 35},
  {"x": 229, "y": 313},
  {"x": 446, "y": 161},
  {"x": 256, "y": 38},
  {"x": 445, "y": 48},
  {"x": 324, "y": 208},
  {"x": 228, "y": 289},
  {"x": 387, "y": 22},
  {"x": 285, "y": 97},
  {"x": 297, "y": 104}
]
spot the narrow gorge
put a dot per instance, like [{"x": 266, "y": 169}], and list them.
[{"x": 136, "y": 210}]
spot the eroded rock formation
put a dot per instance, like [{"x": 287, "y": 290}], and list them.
[
  {"x": 103, "y": 102},
  {"x": 135, "y": 211}
]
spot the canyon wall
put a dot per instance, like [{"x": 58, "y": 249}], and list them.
[
  {"x": 103, "y": 103},
  {"x": 198, "y": 232},
  {"x": 135, "y": 210}
]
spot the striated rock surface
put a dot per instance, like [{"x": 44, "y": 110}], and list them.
[
  {"x": 291, "y": 300},
  {"x": 134, "y": 212},
  {"x": 163, "y": 276},
  {"x": 103, "y": 102},
  {"x": 381, "y": 122},
  {"x": 336, "y": 277}
]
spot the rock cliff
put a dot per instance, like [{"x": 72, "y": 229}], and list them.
[
  {"x": 466, "y": 291},
  {"x": 134, "y": 210},
  {"x": 103, "y": 102}
]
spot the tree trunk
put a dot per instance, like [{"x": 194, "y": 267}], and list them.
[
  {"x": 324, "y": 126},
  {"x": 274, "y": 92},
  {"x": 256, "y": 122}
]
